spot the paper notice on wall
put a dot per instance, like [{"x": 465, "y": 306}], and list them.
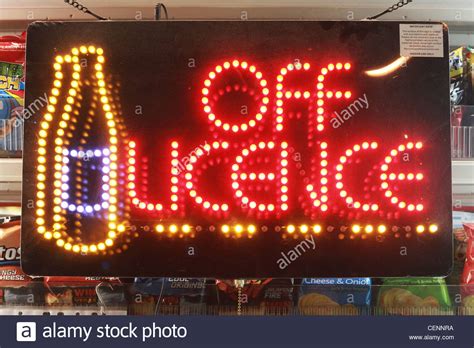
[{"x": 421, "y": 40}]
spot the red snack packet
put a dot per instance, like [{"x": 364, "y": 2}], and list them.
[
  {"x": 469, "y": 228},
  {"x": 12, "y": 48},
  {"x": 467, "y": 289},
  {"x": 11, "y": 274},
  {"x": 78, "y": 291},
  {"x": 469, "y": 266},
  {"x": 80, "y": 281}
]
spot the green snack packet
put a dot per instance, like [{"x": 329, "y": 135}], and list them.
[{"x": 414, "y": 296}]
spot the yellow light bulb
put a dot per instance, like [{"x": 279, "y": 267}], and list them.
[
  {"x": 420, "y": 228},
  {"x": 304, "y": 228}
]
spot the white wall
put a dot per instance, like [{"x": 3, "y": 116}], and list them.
[{"x": 459, "y": 14}]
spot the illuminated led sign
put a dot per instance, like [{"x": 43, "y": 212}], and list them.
[{"x": 235, "y": 149}]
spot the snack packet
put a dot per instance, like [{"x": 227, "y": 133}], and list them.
[
  {"x": 16, "y": 287},
  {"x": 467, "y": 288},
  {"x": 459, "y": 66},
  {"x": 414, "y": 296},
  {"x": 238, "y": 296},
  {"x": 176, "y": 296},
  {"x": 12, "y": 88},
  {"x": 279, "y": 297},
  {"x": 84, "y": 291},
  {"x": 334, "y": 296},
  {"x": 11, "y": 274}
]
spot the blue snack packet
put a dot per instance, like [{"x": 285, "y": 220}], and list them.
[
  {"x": 175, "y": 295},
  {"x": 334, "y": 296}
]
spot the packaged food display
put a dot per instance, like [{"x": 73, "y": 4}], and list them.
[
  {"x": 470, "y": 77},
  {"x": 12, "y": 88},
  {"x": 414, "y": 296},
  {"x": 11, "y": 274},
  {"x": 334, "y": 296},
  {"x": 174, "y": 295},
  {"x": 279, "y": 297},
  {"x": 16, "y": 288},
  {"x": 469, "y": 228},
  {"x": 84, "y": 291},
  {"x": 241, "y": 296},
  {"x": 461, "y": 79},
  {"x": 468, "y": 273}
]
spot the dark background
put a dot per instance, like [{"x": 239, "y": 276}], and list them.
[{"x": 150, "y": 59}]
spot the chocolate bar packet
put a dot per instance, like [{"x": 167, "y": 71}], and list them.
[{"x": 335, "y": 296}]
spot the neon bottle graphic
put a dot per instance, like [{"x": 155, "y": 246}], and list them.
[{"x": 82, "y": 127}]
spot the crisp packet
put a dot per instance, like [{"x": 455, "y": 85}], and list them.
[
  {"x": 468, "y": 289},
  {"x": 334, "y": 296},
  {"x": 11, "y": 274},
  {"x": 414, "y": 296},
  {"x": 29, "y": 295},
  {"x": 239, "y": 296},
  {"x": 279, "y": 297},
  {"x": 469, "y": 228},
  {"x": 468, "y": 273},
  {"x": 84, "y": 291},
  {"x": 178, "y": 296},
  {"x": 16, "y": 287}
]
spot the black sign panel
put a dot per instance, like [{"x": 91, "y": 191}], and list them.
[{"x": 235, "y": 149}]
